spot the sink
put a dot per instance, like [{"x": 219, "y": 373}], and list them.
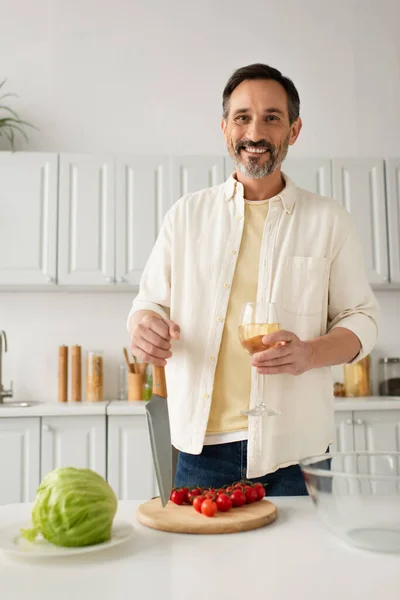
[{"x": 17, "y": 404}]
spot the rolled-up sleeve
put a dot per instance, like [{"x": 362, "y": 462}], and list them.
[
  {"x": 155, "y": 284},
  {"x": 352, "y": 303}
]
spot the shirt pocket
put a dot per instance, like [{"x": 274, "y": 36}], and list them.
[{"x": 304, "y": 285}]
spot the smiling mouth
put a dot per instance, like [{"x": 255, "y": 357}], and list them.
[{"x": 251, "y": 150}]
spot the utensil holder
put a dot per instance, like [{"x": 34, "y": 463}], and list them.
[{"x": 135, "y": 386}]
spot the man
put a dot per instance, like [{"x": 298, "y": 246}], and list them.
[{"x": 259, "y": 238}]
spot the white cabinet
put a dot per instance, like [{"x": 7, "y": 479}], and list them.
[
  {"x": 344, "y": 433},
  {"x": 28, "y": 223},
  {"x": 377, "y": 431},
  {"x": 358, "y": 183},
  {"x": 310, "y": 174},
  {"x": 72, "y": 441},
  {"x": 393, "y": 200},
  {"x": 142, "y": 199},
  {"x": 195, "y": 173},
  {"x": 130, "y": 470},
  {"x": 86, "y": 220},
  {"x": 19, "y": 459}
]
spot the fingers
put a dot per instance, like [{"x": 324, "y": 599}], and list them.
[
  {"x": 278, "y": 352},
  {"x": 151, "y": 340},
  {"x": 174, "y": 329},
  {"x": 288, "y": 369},
  {"x": 279, "y": 336}
]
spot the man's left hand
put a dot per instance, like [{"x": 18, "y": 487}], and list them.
[{"x": 286, "y": 353}]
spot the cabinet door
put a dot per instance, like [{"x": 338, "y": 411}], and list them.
[
  {"x": 142, "y": 199},
  {"x": 87, "y": 220},
  {"x": 19, "y": 459},
  {"x": 377, "y": 430},
  {"x": 195, "y": 173},
  {"x": 393, "y": 198},
  {"x": 310, "y": 174},
  {"x": 74, "y": 442},
  {"x": 344, "y": 439},
  {"x": 28, "y": 218},
  {"x": 358, "y": 183},
  {"x": 130, "y": 463}
]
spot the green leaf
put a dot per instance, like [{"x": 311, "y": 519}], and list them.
[
  {"x": 10, "y": 110},
  {"x": 30, "y": 534}
]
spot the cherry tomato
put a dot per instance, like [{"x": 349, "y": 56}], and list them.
[
  {"x": 223, "y": 502},
  {"x": 251, "y": 495},
  {"x": 178, "y": 496},
  {"x": 208, "y": 508},
  {"x": 209, "y": 495},
  {"x": 238, "y": 498},
  {"x": 260, "y": 490},
  {"x": 192, "y": 494},
  {"x": 197, "y": 502}
]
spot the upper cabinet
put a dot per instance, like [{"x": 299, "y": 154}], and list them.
[
  {"x": 142, "y": 199},
  {"x": 194, "y": 173},
  {"x": 86, "y": 251},
  {"x": 28, "y": 218},
  {"x": 393, "y": 199},
  {"x": 310, "y": 174},
  {"x": 358, "y": 183}
]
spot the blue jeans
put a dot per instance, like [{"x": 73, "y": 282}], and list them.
[{"x": 223, "y": 464}]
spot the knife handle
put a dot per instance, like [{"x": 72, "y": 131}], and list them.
[{"x": 159, "y": 382}]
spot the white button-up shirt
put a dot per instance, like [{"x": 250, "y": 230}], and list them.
[{"x": 311, "y": 266}]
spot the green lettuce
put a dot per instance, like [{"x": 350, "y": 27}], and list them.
[{"x": 73, "y": 507}]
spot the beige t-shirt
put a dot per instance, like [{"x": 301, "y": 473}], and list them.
[{"x": 232, "y": 382}]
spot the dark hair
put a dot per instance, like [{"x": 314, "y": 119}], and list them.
[{"x": 261, "y": 71}]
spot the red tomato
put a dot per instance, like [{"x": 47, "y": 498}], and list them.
[
  {"x": 197, "y": 502},
  {"x": 260, "y": 490},
  {"x": 251, "y": 495},
  {"x": 178, "y": 496},
  {"x": 208, "y": 508},
  {"x": 209, "y": 495},
  {"x": 223, "y": 502},
  {"x": 192, "y": 494},
  {"x": 238, "y": 498}
]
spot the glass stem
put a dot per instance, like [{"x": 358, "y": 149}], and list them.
[{"x": 260, "y": 395}]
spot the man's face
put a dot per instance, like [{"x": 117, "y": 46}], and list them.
[{"x": 257, "y": 129}]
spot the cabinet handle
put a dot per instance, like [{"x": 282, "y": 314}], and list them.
[
  {"x": 110, "y": 279},
  {"x": 360, "y": 422},
  {"x": 122, "y": 280},
  {"x": 349, "y": 422},
  {"x": 50, "y": 279},
  {"x": 46, "y": 427}
]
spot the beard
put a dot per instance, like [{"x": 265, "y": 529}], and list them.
[{"x": 254, "y": 167}]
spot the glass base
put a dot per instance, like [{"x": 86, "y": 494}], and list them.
[{"x": 260, "y": 411}]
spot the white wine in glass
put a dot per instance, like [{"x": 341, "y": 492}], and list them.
[{"x": 257, "y": 320}]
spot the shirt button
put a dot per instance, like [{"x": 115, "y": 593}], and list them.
[
  {"x": 212, "y": 358},
  {"x": 206, "y": 396},
  {"x": 220, "y": 320},
  {"x": 233, "y": 252},
  {"x": 239, "y": 217},
  {"x": 226, "y": 285}
]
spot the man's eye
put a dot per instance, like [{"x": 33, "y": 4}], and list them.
[
  {"x": 272, "y": 118},
  {"x": 242, "y": 118}
]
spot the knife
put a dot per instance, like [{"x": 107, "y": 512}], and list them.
[{"x": 164, "y": 454}]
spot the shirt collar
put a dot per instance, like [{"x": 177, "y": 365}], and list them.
[{"x": 287, "y": 196}]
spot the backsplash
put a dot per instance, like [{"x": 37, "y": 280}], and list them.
[{"x": 38, "y": 323}]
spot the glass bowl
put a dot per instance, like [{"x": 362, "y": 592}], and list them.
[{"x": 357, "y": 496}]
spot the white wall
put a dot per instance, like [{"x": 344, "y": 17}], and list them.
[{"x": 147, "y": 77}]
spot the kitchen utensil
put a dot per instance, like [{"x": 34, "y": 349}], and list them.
[
  {"x": 12, "y": 542},
  {"x": 131, "y": 367},
  {"x": 164, "y": 455},
  {"x": 257, "y": 320},
  {"x": 63, "y": 374},
  {"x": 357, "y": 378},
  {"x": 135, "y": 386},
  {"x": 357, "y": 495},
  {"x": 136, "y": 364},
  {"x": 184, "y": 519},
  {"x": 389, "y": 379},
  {"x": 76, "y": 374},
  {"x": 94, "y": 380}
]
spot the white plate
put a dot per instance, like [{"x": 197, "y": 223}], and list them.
[{"x": 12, "y": 542}]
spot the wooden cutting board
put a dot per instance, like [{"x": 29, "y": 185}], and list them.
[{"x": 184, "y": 519}]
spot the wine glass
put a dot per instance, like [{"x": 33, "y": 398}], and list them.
[{"x": 257, "y": 320}]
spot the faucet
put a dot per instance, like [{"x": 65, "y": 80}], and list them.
[{"x": 3, "y": 393}]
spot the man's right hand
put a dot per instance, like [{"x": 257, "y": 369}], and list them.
[{"x": 151, "y": 339}]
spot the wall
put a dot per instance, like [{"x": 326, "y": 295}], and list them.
[{"x": 147, "y": 77}]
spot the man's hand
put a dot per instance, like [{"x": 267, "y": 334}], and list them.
[
  {"x": 286, "y": 354},
  {"x": 151, "y": 339}
]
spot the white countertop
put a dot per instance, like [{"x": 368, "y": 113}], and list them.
[
  {"x": 295, "y": 558},
  {"x": 118, "y": 407}
]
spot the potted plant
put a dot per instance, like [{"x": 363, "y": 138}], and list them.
[{"x": 10, "y": 122}]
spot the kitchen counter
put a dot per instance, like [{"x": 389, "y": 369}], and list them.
[
  {"x": 295, "y": 558},
  {"x": 118, "y": 407}
]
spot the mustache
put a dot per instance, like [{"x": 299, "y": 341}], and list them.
[{"x": 242, "y": 144}]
